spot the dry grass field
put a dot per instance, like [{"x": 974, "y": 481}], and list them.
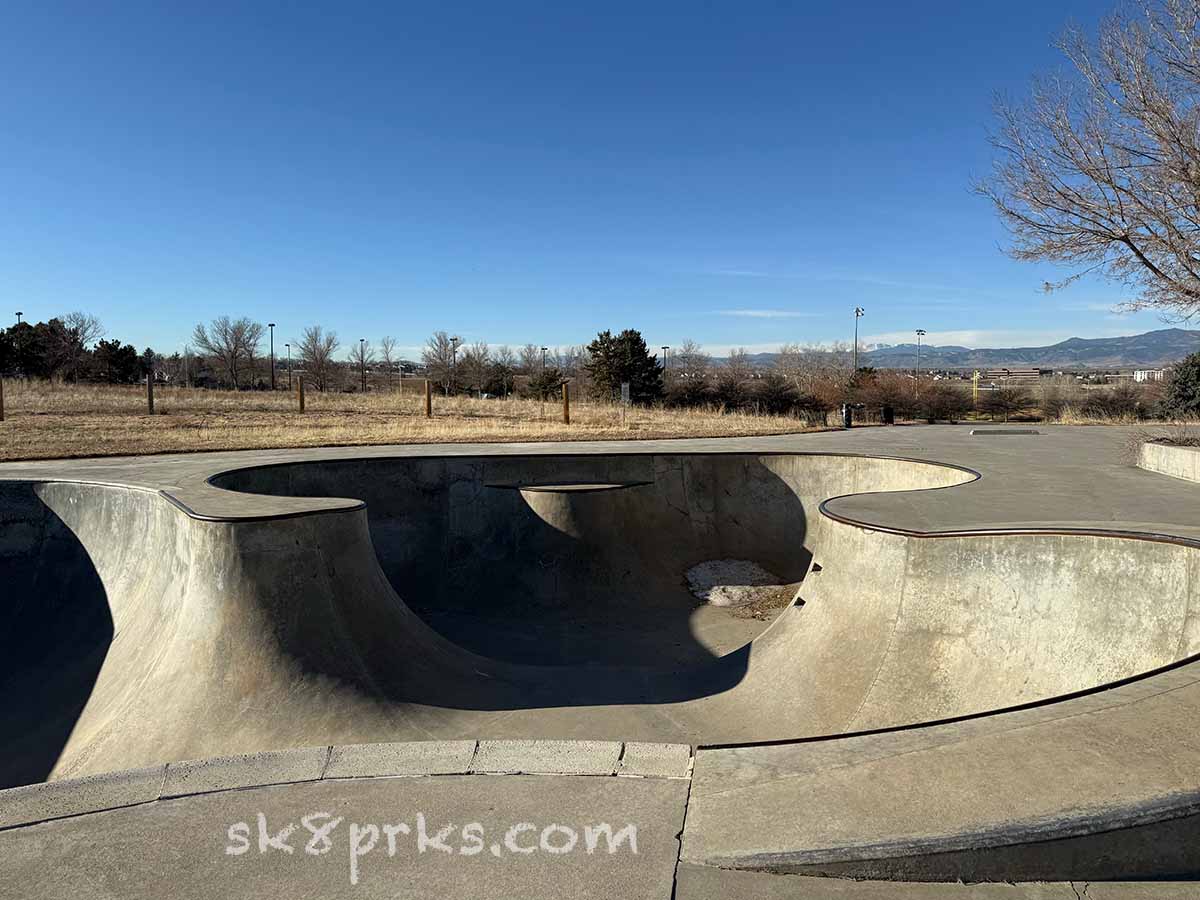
[{"x": 46, "y": 420}]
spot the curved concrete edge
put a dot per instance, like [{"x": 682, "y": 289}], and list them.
[
  {"x": 203, "y": 497},
  {"x": 35, "y": 803},
  {"x": 1101, "y": 787},
  {"x": 1167, "y": 459}
]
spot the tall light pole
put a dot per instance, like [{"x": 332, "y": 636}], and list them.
[
  {"x": 543, "y": 379},
  {"x": 271, "y": 326},
  {"x": 362, "y": 361},
  {"x": 920, "y": 333},
  {"x": 19, "y": 314},
  {"x": 453, "y": 360},
  {"x": 289, "y": 350},
  {"x": 859, "y": 312}
]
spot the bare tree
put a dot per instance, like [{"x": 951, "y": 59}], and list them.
[
  {"x": 474, "y": 364},
  {"x": 362, "y": 357},
  {"x": 232, "y": 343},
  {"x": 690, "y": 361},
  {"x": 1101, "y": 170},
  {"x": 438, "y": 358},
  {"x": 316, "y": 352},
  {"x": 387, "y": 353},
  {"x": 530, "y": 357},
  {"x": 504, "y": 364},
  {"x": 80, "y": 330}
]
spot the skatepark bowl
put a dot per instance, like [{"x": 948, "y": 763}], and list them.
[{"x": 417, "y": 598}]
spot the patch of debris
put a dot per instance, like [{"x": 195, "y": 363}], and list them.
[{"x": 743, "y": 587}]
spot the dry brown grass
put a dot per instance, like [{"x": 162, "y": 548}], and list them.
[{"x": 47, "y": 421}]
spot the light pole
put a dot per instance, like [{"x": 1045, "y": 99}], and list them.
[
  {"x": 19, "y": 314},
  {"x": 289, "y": 350},
  {"x": 453, "y": 361},
  {"x": 920, "y": 333},
  {"x": 271, "y": 326},
  {"x": 859, "y": 312},
  {"x": 362, "y": 362},
  {"x": 543, "y": 380}
]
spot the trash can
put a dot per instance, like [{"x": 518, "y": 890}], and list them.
[
  {"x": 888, "y": 415},
  {"x": 847, "y": 416}
]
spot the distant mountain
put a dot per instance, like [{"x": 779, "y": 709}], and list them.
[{"x": 1152, "y": 349}]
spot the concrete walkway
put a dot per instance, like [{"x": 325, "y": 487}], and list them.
[{"x": 1065, "y": 787}]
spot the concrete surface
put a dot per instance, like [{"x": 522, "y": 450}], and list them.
[{"x": 1028, "y": 718}]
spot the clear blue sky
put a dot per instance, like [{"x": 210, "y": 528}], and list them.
[{"x": 741, "y": 173}]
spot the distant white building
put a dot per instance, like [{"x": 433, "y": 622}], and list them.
[{"x": 1141, "y": 375}]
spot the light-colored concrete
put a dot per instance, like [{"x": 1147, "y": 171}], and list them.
[
  {"x": 260, "y": 612},
  {"x": 411, "y": 758},
  {"x": 211, "y": 845},
  {"x": 198, "y": 776},
  {"x": 553, "y": 757},
  {"x": 1178, "y": 462}
]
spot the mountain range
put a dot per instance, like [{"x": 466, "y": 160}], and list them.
[{"x": 1152, "y": 349}]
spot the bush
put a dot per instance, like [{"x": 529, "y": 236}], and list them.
[
  {"x": 942, "y": 400},
  {"x": 1183, "y": 394},
  {"x": 775, "y": 395},
  {"x": 1005, "y": 401},
  {"x": 1121, "y": 402},
  {"x": 688, "y": 392},
  {"x": 894, "y": 389}
]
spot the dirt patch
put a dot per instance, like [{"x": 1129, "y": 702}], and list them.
[{"x": 743, "y": 587}]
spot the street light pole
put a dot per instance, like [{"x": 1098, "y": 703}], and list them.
[
  {"x": 859, "y": 312},
  {"x": 543, "y": 380},
  {"x": 362, "y": 361},
  {"x": 920, "y": 332},
  {"x": 19, "y": 314},
  {"x": 453, "y": 361},
  {"x": 271, "y": 325},
  {"x": 289, "y": 351}
]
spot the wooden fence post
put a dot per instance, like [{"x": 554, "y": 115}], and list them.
[
  {"x": 428, "y": 399},
  {"x": 300, "y": 392},
  {"x": 566, "y": 404},
  {"x": 1, "y": 399},
  {"x": 150, "y": 393}
]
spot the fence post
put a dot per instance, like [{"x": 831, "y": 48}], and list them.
[
  {"x": 428, "y": 399},
  {"x": 150, "y": 393},
  {"x": 566, "y": 404},
  {"x": 1, "y": 399},
  {"x": 300, "y": 392}
]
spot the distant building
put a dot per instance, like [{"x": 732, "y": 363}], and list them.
[
  {"x": 1141, "y": 375},
  {"x": 1013, "y": 376}
]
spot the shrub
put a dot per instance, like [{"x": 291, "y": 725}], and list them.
[
  {"x": 774, "y": 395},
  {"x": 1183, "y": 394},
  {"x": 1005, "y": 401},
  {"x": 942, "y": 400}
]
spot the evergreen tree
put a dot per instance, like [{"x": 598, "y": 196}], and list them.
[
  {"x": 1183, "y": 396},
  {"x": 624, "y": 357}
]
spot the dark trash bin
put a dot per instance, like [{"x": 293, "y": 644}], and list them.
[{"x": 888, "y": 415}]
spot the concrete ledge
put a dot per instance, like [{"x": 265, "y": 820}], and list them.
[
  {"x": 1165, "y": 459},
  {"x": 58, "y": 799},
  {"x": 415, "y": 758},
  {"x": 199, "y": 776},
  {"x": 547, "y": 757},
  {"x": 656, "y": 760},
  {"x": 112, "y": 790}
]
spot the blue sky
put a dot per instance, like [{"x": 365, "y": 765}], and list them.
[{"x": 740, "y": 173}]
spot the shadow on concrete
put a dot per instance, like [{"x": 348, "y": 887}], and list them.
[
  {"x": 560, "y": 560},
  {"x": 57, "y": 632}
]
